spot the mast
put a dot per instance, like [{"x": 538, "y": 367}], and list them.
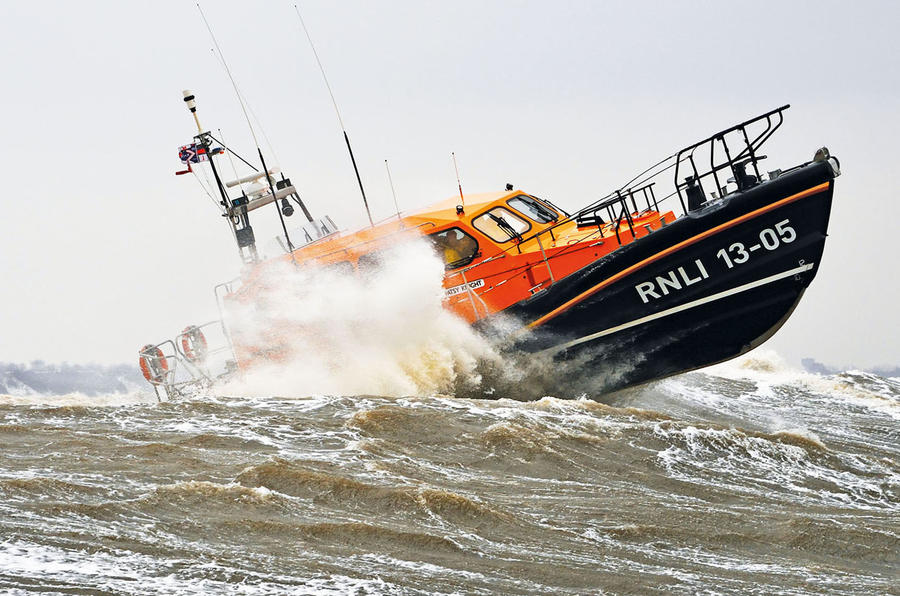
[{"x": 243, "y": 234}]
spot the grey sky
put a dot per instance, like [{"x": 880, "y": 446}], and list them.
[{"x": 104, "y": 249}]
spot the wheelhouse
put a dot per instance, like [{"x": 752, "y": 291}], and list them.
[{"x": 500, "y": 247}]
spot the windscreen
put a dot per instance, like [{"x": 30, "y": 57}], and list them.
[
  {"x": 501, "y": 225},
  {"x": 531, "y": 208}
]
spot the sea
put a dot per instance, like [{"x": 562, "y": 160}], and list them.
[{"x": 751, "y": 477}]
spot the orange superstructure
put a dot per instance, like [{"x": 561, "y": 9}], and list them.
[{"x": 499, "y": 249}]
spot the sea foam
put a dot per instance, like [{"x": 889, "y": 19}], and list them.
[{"x": 381, "y": 331}]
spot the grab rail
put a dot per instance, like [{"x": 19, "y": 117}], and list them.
[
  {"x": 690, "y": 192},
  {"x": 693, "y": 184}
]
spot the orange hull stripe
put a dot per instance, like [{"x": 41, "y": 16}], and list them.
[{"x": 676, "y": 247}]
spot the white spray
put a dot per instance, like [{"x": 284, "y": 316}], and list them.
[{"x": 381, "y": 331}]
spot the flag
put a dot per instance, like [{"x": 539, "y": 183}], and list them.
[{"x": 194, "y": 154}]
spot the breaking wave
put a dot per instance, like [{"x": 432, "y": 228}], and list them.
[
  {"x": 78, "y": 400},
  {"x": 384, "y": 332},
  {"x": 295, "y": 480},
  {"x": 768, "y": 369}
]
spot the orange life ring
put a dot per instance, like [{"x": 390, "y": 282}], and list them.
[
  {"x": 153, "y": 364},
  {"x": 193, "y": 344}
]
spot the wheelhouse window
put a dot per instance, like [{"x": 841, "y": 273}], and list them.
[
  {"x": 532, "y": 208},
  {"x": 455, "y": 246},
  {"x": 501, "y": 225}
]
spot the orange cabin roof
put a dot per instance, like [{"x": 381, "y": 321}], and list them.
[
  {"x": 444, "y": 212},
  {"x": 350, "y": 245}
]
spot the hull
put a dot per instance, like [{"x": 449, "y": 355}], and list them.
[{"x": 706, "y": 288}]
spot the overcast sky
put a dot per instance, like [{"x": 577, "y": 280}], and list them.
[{"x": 104, "y": 249}]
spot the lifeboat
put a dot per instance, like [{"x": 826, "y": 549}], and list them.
[{"x": 699, "y": 259}]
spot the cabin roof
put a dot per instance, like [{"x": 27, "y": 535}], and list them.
[
  {"x": 444, "y": 212},
  {"x": 422, "y": 221}
]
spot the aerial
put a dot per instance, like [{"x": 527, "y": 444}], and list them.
[{"x": 505, "y": 298}]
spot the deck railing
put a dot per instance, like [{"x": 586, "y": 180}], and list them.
[{"x": 733, "y": 149}]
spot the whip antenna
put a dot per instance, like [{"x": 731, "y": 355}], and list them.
[
  {"x": 252, "y": 132},
  {"x": 250, "y": 109},
  {"x": 462, "y": 199},
  {"x": 237, "y": 92},
  {"x": 338, "y": 112},
  {"x": 231, "y": 161},
  {"x": 393, "y": 192},
  {"x": 285, "y": 181}
]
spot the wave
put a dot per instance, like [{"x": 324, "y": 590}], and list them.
[
  {"x": 321, "y": 487},
  {"x": 368, "y": 537},
  {"x": 786, "y": 462},
  {"x": 780, "y": 445},
  {"x": 799, "y": 437},
  {"x": 406, "y": 427},
  {"x": 838, "y": 539},
  {"x": 287, "y": 478},
  {"x": 516, "y": 438},
  {"x": 14, "y": 429},
  {"x": 46, "y": 488},
  {"x": 545, "y": 426},
  {"x": 389, "y": 420},
  {"x": 179, "y": 501},
  {"x": 863, "y": 388},
  {"x": 216, "y": 441},
  {"x": 451, "y": 505},
  {"x": 210, "y": 492},
  {"x": 153, "y": 449},
  {"x": 550, "y": 404},
  {"x": 78, "y": 400}
]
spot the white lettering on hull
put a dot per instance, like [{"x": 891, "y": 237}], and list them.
[
  {"x": 463, "y": 287},
  {"x": 676, "y": 279},
  {"x": 679, "y": 278},
  {"x": 682, "y": 307}
]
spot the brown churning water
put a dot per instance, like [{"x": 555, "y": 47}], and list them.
[{"x": 749, "y": 478}]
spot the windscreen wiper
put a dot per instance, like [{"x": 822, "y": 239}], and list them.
[
  {"x": 549, "y": 213},
  {"x": 504, "y": 225},
  {"x": 546, "y": 213}
]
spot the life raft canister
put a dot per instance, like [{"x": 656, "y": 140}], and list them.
[
  {"x": 193, "y": 344},
  {"x": 153, "y": 364}
]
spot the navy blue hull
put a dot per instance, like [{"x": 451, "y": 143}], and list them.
[{"x": 708, "y": 287}]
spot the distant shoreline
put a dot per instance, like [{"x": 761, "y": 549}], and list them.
[
  {"x": 39, "y": 377},
  {"x": 814, "y": 366}
]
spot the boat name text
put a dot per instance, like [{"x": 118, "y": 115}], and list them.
[
  {"x": 769, "y": 239},
  {"x": 671, "y": 280},
  {"x": 738, "y": 253},
  {"x": 463, "y": 287}
]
